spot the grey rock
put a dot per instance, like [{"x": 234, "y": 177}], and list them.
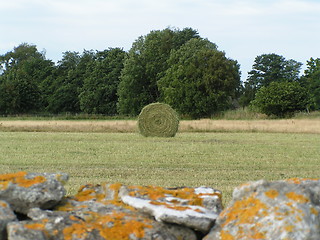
[
  {"x": 6, "y": 216},
  {"x": 16, "y": 231},
  {"x": 96, "y": 213},
  {"x": 195, "y": 208},
  {"x": 271, "y": 210},
  {"x": 88, "y": 225},
  {"x": 24, "y": 191}
]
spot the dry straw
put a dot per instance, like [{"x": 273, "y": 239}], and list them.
[{"x": 158, "y": 120}]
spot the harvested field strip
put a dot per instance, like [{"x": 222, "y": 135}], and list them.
[
  {"x": 275, "y": 126},
  {"x": 68, "y": 126},
  {"x": 203, "y": 125}
]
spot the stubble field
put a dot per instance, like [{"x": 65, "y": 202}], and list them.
[{"x": 197, "y": 156}]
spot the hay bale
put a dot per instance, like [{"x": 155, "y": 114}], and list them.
[{"x": 158, "y": 120}]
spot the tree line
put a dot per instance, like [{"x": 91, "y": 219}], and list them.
[{"x": 174, "y": 66}]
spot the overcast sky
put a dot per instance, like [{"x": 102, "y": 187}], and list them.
[{"x": 243, "y": 29}]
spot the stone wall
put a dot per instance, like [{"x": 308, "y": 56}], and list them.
[{"x": 34, "y": 207}]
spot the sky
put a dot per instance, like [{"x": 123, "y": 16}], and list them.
[{"x": 243, "y": 29}]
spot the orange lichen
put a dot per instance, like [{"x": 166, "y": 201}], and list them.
[
  {"x": 157, "y": 193},
  {"x": 256, "y": 235},
  {"x": 300, "y": 180},
  {"x": 314, "y": 211},
  {"x": 5, "y": 179},
  {"x": 35, "y": 226},
  {"x": 289, "y": 204},
  {"x": 3, "y": 204},
  {"x": 121, "y": 227},
  {"x": 3, "y": 185},
  {"x": 298, "y": 219},
  {"x": 159, "y": 203},
  {"x": 175, "y": 201},
  {"x": 272, "y": 193},
  {"x": 226, "y": 235},
  {"x": 24, "y": 182},
  {"x": 116, "y": 199},
  {"x": 245, "y": 212},
  {"x": 79, "y": 230},
  {"x": 178, "y": 208},
  {"x": 289, "y": 228},
  {"x": 85, "y": 195},
  {"x": 19, "y": 179},
  {"x": 198, "y": 210},
  {"x": 297, "y": 197},
  {"x": 115, "y": 187},
  {"x": 74, "y": 218},
  {"x": 12, "y": 176},
  {"x": 95, "y": 193}
]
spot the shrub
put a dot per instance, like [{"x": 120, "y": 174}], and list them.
[{"x": 282, "y": 99}]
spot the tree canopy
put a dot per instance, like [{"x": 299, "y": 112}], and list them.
[
  {"x": 174, "y": 66},
  {"x": 200, "y": 80},
  {"x": 311, "y": 80},
  {"x": 23, "y": 71},
  {"x": 99, "y": 91},
  {"x": 282, "y": 99},
  {"x": 268, "y": 68},
  {"x": 145, "y": 65}
]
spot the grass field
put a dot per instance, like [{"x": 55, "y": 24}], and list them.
[{"x": 221, "y": 160}]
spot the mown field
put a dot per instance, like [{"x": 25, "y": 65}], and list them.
[
  {"x": 130, "y": 126},
  {"x": 219, "y": 159}
]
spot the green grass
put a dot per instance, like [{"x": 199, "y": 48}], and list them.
[{"x": 219, "y": 160}]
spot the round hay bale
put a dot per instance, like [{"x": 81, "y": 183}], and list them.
[{"x": 158, "y": 120}]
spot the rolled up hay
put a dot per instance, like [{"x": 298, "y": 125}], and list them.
[{"x": 158, "y": 120}]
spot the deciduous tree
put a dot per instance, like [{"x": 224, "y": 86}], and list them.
[
  {"x": 268, "y": 68},
  {"x": 311, "y": 80},
  {"x": 99, "y": 91},
  {"x": 282, "y": 99},
  {"x": 145, "y": 65},
  {"x": 201, "y": 80},
  {"x": 23, "y": 71},
  {"x": 67, "y": 82}
]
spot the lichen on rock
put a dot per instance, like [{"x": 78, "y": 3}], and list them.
[
  {"x": 287, "y": 209},
  {"x": 24, "y": 191},
  {"x": 196, "y": 208},
  {"x": 96, "y": 212},
  {"x": 271, "y": 210},
  {"x": 6, "y": 216}
]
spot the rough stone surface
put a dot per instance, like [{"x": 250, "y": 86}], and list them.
[
  {"x": 6, "y": 216},
  {"x": 96, "y": 212},
  {"x": 196, "y": 208},
  {"x": 288, "y": 209},
  {"x": 91, "y": 225},
  {"x": 24, "y": 191},
  {"x": 271, "y": 210},
  {"x": 104, "y": 199}
]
